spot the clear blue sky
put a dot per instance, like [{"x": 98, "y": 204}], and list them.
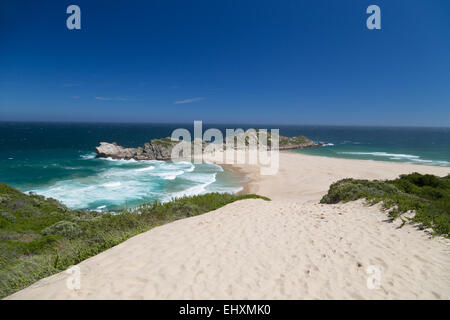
[{"x": 223, "y": 61}]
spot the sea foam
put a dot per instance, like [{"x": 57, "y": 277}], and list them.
[
  {"x": 409, "y": 158},
  {"x": 115, "y": 182}
]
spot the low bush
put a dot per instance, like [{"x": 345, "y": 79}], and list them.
[
  {"x": 67, "y": 229},
  {"x": 427, "y": 196}
]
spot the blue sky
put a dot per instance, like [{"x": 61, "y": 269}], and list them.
[{"x": 271, "y": 62}]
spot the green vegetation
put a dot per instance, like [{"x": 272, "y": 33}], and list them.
[
  {"x": 265, "y": 138},
  {"x": 299, "y": 140},
  {"x": 40, "y": 237},
  {"x": 426, "y": 195},
  {"x": 166, "y": 142}
]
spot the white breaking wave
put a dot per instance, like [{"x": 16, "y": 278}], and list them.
[
  {"x": 100, "y": 208},
  {"x": 201, "y": 177},
  {"x": 328, "y": 145},
  {"x": 171, "y": 175},
  {"x": 113, "y": 185},
  {"x": 215, "y": 165},
  {"x": 383, "y": 154},
  {"x": 88, "y": 156},
  {"x": 205, "y": 180},
  {"x": 413, "y": 159},
  {"x": 124, "y": 161},
  {"x": 145, "y": 169}
]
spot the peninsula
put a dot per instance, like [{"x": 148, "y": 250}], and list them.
[{"x": 161, "y": 149}]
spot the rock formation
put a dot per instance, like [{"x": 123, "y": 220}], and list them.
[
  {"x": 161, "y": 149},
  {"x": 158, "y": 149}
]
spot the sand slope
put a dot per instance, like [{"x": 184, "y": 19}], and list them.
[
  {"x": 289, "y": 248},
  {"x": 309, "y": 177}
]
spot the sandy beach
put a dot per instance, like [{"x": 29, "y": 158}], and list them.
[{"x": 289, "y": 248}]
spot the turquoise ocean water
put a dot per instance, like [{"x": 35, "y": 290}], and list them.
[
  {"x": 426, "y": 146},
  {"x": 58, "y": 159}
]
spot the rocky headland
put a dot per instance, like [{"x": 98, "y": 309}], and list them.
[{"x": 161, "y": 149}]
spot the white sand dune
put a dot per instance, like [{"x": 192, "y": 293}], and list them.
[{"x": 289, "y": 248}]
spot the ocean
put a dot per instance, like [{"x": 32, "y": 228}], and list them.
[
  {"x": 58, "y": 159},
  {"x": 427, "y": 146}
]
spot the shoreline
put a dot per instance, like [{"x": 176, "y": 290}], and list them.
[
  {"x": 246, "y": 186},
  {"x": 384, "y": 161},
  {"x": 382, "y": 170}
]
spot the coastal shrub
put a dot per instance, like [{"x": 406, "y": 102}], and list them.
[
  {"x": 4, "y": 198},
  {"x": 7, "y": 216},
  {"x": 351, "y": 189},
  {"x": 427, "y": 196},
  {"x": 40, "y": 237},
  {"x": 63, "y": 228},
  {"x": 181, "y": 210}
]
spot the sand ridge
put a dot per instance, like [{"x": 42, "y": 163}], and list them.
[{"x": 289, "y": 248}]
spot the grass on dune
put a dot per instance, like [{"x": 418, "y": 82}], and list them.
[
  {"x": 40, "y": 237},
  {"x": 427, "y": 196}
]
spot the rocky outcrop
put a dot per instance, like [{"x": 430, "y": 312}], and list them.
[
  {"x": 114, "y": 151},
  {"x": 158, "y": 149},
  {"x": 299, "y": 142},
  {"x": 161, "y": 149},
  {"x": 284, "y": 143}
]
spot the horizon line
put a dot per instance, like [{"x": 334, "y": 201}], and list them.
[{"x": 221, "y": 123}]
